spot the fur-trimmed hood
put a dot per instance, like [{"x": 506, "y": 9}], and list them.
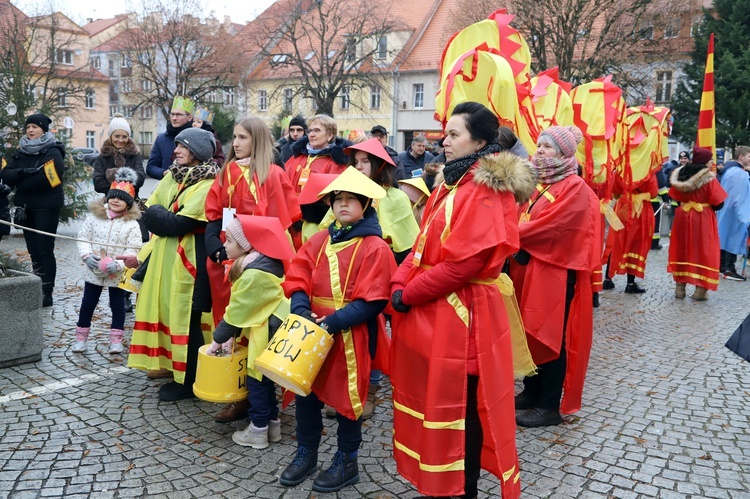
[
  {"x": 692, "y": 183},
  {"x": 98, "y": 208},
  {"x": 335, "y": 149},
  {"x": 502, "y": 172},
  {"x": 108, "y": 150}
]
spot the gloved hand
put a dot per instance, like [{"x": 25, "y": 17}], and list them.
[
  {"x": 92, "y": 262},
  {"x": 130, "y": 261},
  {"x": 108, "y": 265},
  {"x": 309, "y": 315},
  {"x": 398, "y": 305},
  {"x": 665, "y": 198},
  {"x": 522, "y": 257},
  {"x": 28, "y": 172},
  {"x": 220, "y": 256}
]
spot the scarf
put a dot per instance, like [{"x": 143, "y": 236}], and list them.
[
  {"x": 35, "y": 146},
  {"x": 553, "y": 170},
  {"x": 115, "y": 214},
  {"x": 190, "y": 175},
  {"x": 338, "y": 233},
  {"x": 456, "y": 168},
  {"x": 687, "y": 171},
  {"x": 172, "y": 131},
  {"x": 315, "y": 152}
]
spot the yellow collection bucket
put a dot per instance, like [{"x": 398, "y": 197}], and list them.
[
  {"x": 128, "y": 283},
  {"x": 295, "y": 354},
  {"x": 222, "y": 378}
]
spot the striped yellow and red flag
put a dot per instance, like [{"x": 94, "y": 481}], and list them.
[{"x": 706, "y": 136}]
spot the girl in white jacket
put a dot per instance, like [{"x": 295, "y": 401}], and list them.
[{"x": 111, "y": 220}]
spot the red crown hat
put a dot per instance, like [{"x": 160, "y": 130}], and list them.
[
  {"x": 267, "y": 236},
  {"x": 316, "y": 182},
  {"x": 374, "y": 147},
  {"x": 123, "y": 186}
]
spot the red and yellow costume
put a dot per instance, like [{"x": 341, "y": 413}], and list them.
[
  {"x": 628, "y": 248},
  {"x": 560, "y": 229},
  {"x": 694, "y": 245},
  {"x": 440, "y": 341},
  {"x": 274, "y": 198},
  {"x": 333, "y": 275}
]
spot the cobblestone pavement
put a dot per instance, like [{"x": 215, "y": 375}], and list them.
[{"x": 665, "y": 414}]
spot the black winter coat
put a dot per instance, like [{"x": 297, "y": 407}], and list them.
[
  {"x": 33, "y": 190},
  {"x": 4, "y": 210},
  {"x": 110, "y": 160}
]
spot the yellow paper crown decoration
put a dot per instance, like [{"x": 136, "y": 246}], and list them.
[
  {"x": 183, "y": 104},
  {"x": 352, "y": 180}
]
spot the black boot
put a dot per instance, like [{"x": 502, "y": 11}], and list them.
[
  {"x": 46, "y": 299},
  {"x": 655, "y": 244},
  {"x": 343, "y": 471},
  {"x": 534, "y": 418},
  {"x": 596, "y": 300},
  {"x": 634, "y": 288},
  {"x": 172, "y": 391},
  {"x": 524, "y": 401},
  {"x": 304, "y": 464},
  {"x": 608, "y": 284}
]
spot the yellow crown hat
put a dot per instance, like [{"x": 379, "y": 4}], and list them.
[
  {"x": 352, "y": 180},
  {"x": 417, "y": 182},
  {"x": 183, "y": 104}
]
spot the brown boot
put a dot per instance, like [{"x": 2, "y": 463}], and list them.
[
  {"x": 233, "y": 412},
  {"x": 679, "y": 290},
  {"x": 370, "y": 403},
  {"x": 700, "y": 294}
]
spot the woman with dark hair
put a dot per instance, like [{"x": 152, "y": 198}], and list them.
[
  {"x": 694, "y": 251},
  {"x": 451, "y": 365},
  {"x": 36, "y": 172}
]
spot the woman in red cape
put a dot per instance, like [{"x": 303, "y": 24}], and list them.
[
  {"x": 560, "y": 249},
  {"x": 249, "y": 184},
  {"x": 694, "y": 245},
  {"x": 451, "y": 363}
]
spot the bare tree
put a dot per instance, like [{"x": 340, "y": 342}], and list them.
[
  {"x": 40, "y": 67},
  {"x": 328, "y": 48},
  {"x": 179, "y": 53}
]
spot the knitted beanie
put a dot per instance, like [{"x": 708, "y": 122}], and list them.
[
  {"x": 235, "y": 228},
  {"x": 566, "y": 138},
  {"x": 701, "y": 156},
  {"x": 298, "y": 121},
  {"x": 118, "y": 123},
  {"x": 39, "y": 120},
  {"x": 200, "y": 142},
  {"x": 123, "y": 187}
]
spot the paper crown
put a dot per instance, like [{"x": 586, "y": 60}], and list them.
[
  {"x": 123, "y": 186},
  {"x": 316, "y": 182},
  {"x": 352, "y": 180},
  {"x": 415, "y": 188},
  {"x": 267, "y": 236},
  {"x": 183, "y": 104},
  {"x": 371, "y": 146}
]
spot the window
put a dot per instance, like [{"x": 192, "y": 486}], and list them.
[
  {"x": 62, "y": 98},
  {"x": 126, "y": 85},
  {"x": 211, "y": 97},
  {"x": 96, "y": 62},
  {"x": 127, "y": 111},
  {"x": 111, "y": 67},
  {"x": 646, "y": 31},
  {"x": 147, "y": 112},
  {"x": 672, "y": 29},
  {"x": 344, "y": 98},
  {"x": 229, "y": 96},
  {"x": 262, "y": 100},
  {"x": 125, "y": 61},
  {"x": 112, "y": 111},
  {"x": 90, "y": 101},
  {"x": 331, "y": 54},
  {"x": 145, "y": 137},
  {"x": 351, "y": 50},
  {"x": 375, "y": 97},
  {"x": 63, "y": 56},
  {"x": 382, "y": 51},
  {"x": 313, "y": 103},
  {"x": 418, "y": 95},
  {"x": 310, "y": 55},
  {"x": 147, "y": 85},
  {"x": 279, "y": 59},
  {"x": 90, "y": 139},
  {"x": 288, "y": 100},
  {"x": 663, "y": 86},
  {"x": 695, "y": 25}
]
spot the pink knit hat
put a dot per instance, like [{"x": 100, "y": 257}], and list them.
[
  {"x": 567, "y": 138},
  {"x": 235, "y": 228}
]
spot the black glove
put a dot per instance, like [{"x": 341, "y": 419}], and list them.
[
  {"x": 665, "y": 198},
  {"x": 522, "y": 257},
  {"x": 28, "y": 172},
  {"x": 398, "y": 305},
  {"x": 307, "y": 314},
  {"x": 220, "y": 256}
]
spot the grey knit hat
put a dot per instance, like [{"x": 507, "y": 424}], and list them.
[{"x": 200, "y": 142}]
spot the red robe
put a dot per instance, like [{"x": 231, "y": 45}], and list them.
[
  {"x": 694, "y": 245},
  {"x": 431, "y": 343},
  {"x": 363, "y": 272},
  {"x": 275, "y": 198},
  {"x": 560, "y": 229},
  {"x": 297, "y": 165},
  {"x": 628, "y": 248},
  {"x": 597, "y": 276}
]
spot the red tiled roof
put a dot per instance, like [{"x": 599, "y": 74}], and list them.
[
  {"x": 117, "y": 42},
  {"x": 426, "y": 53},
  {"x": 100, "y": 25}
]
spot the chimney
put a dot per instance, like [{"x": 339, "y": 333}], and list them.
[{"x": 89, "y": 20}]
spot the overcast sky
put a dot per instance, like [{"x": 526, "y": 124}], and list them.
[{"x": 240, "y": 11}]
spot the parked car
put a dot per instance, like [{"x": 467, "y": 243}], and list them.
[{"x": 85, "y": 154}]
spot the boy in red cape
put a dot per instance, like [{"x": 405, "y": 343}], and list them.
[
  {"x": 340, "y": 279},
  {"x": 560, "y": 244}
]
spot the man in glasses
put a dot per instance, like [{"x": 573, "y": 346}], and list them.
[{"x": 162, "y": 152}]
